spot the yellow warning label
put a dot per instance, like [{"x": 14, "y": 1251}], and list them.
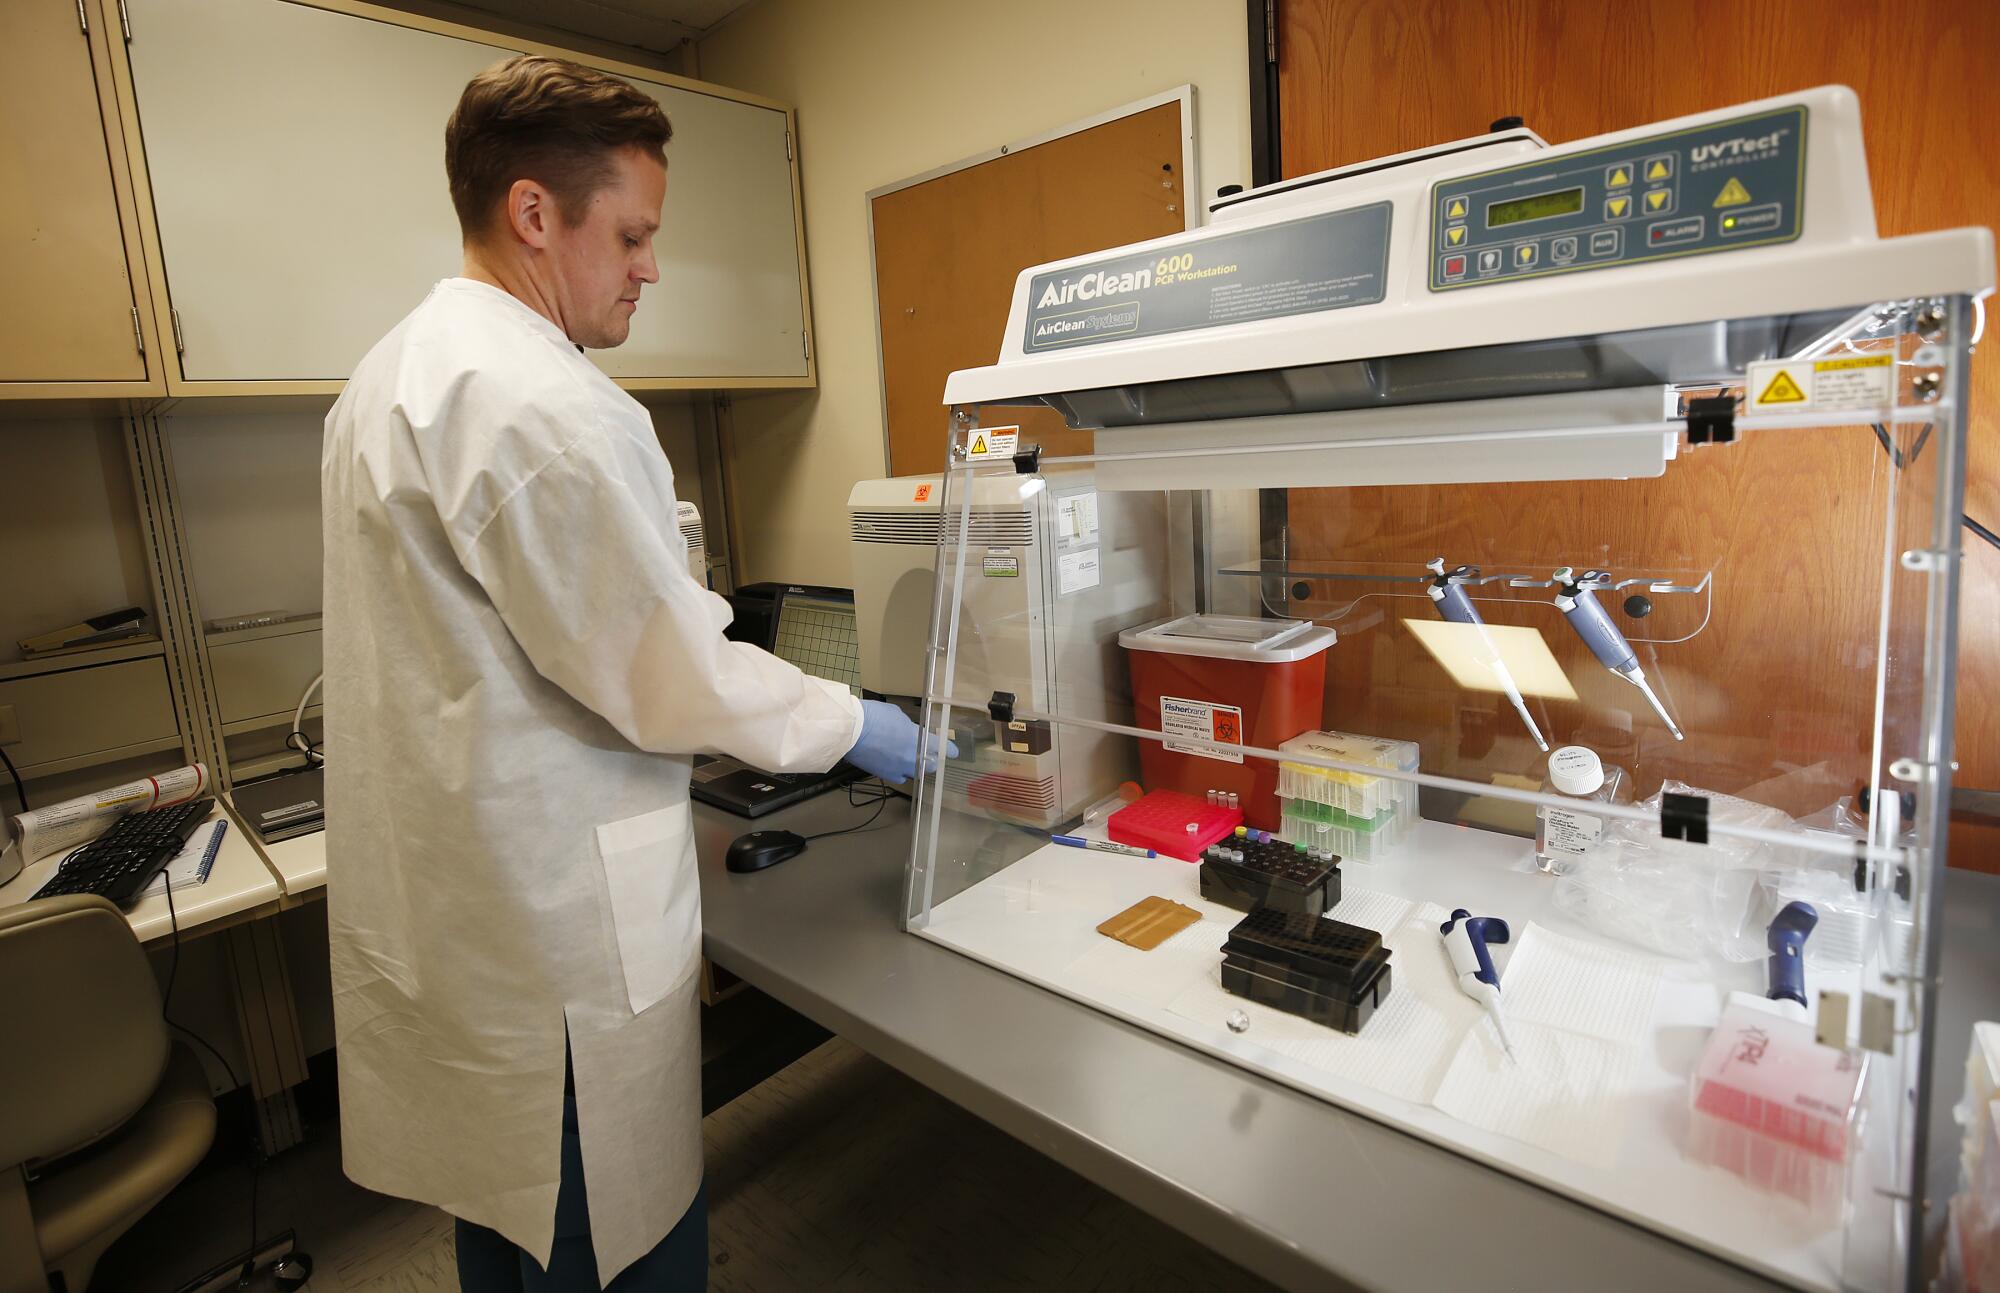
[
  {"x": 1782, "y": 390},
  {"x": 1656, "y": 199},
  {"x": 1455, "y": 236},
  {"x": 978, "y": 449},
  {"x": 1657, "y": 171},
  {"x": 1733, "y": 194},
  {"x": 1456, "y": 209},
  {"x": 1619, "y": 177}
]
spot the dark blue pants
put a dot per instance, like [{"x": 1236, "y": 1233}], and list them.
[{"x": 488, "y": 1263}]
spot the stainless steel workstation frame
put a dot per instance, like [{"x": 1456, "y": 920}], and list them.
[{"x": 1305, "y": 1194}]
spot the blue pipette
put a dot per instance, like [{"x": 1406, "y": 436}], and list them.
[
  {"x": 1587, "y": 617},
  {"x": 1448, "y": 591},
  {"x": 1465, "y": 939},
  {"x": 1786, "y": 939}
]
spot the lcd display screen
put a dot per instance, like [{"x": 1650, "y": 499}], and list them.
[{"x": 1539, "y": 207}]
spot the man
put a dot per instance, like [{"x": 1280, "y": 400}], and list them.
[{"x": 517, "y": 666}]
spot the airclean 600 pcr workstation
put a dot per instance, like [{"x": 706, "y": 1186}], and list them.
[{"x": 1492, "y": 669}]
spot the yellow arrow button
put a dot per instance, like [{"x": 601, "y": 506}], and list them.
[
  {"x": 1617, "y": 205},
  {"x": 1455, "y": 235},
  {"x": 1657, "y": 171},
  {"x": 1456, "y": 209},
  {"x": 1620, "y": 177},
  {"x": 1656, "y": 199}
]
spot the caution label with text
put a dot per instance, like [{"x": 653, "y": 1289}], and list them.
[
  {"x": 992, "y": 442},
  {"x": 1849, "y": 382}
]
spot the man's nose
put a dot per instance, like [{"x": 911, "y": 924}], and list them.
[{"x": 648, "y": 268}]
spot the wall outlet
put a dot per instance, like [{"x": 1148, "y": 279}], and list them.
[{"x": 10, "y": 727}]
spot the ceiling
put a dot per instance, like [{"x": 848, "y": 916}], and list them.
[{"x": 648, "y": 24}]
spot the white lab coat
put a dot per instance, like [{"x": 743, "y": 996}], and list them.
[{"x": 517, "y": 667}]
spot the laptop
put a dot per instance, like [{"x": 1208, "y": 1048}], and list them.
[
  {"x": 812, "y": 628},
  {"x": 283, "y": 806}
]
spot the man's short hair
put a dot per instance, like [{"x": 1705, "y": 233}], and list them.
[{"x": 548, "y": 120}]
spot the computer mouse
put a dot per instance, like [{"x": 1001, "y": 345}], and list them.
[{"x": 759, "y": 849}]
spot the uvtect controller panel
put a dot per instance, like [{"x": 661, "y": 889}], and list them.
[{"x": 1719, "y": 187}]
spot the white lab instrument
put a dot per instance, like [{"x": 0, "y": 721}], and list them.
[
  {"x": 688, "y": 516},
  {"x": 516, "y": 659},
  {"x": 1495, "y": 311},
  {"x": 1035, "y": 552}
]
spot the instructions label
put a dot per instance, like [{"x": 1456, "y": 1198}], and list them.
[
  {"x": 1820, "y": 385},
  {"x": 1324, "y": 262},
  {"x": 1076, "y": 519},
  {"x": 1001, "y": 563},
  {"x": 1570, "y": 832},
  {"x": 1201, "y": 720},
  {"x": 992, "y": 442},
  {"x": 1076, "y": 571}
]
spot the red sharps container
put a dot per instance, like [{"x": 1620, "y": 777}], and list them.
[{"x": 1227, "y": 679}]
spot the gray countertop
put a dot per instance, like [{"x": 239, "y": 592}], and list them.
[{"x": 1304, "y": 1193}]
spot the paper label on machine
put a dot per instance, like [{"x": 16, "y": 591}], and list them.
[
  {"x": 1076, "y": 571},
  {"x": 1325, "y": 262},
  {"x": 1001, "y": 563},
  {"x": 1201, "y": 720},
  {"x": 1570, "y": 832},
  {"x": 1076, "y": 520}
]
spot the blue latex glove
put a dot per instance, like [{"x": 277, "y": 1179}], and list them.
[{"x": 888, "y": 744}]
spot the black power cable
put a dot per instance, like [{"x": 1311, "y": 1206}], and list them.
[{"x": 17, "y": 778}]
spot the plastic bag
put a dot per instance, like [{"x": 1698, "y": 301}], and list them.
[
  {"x": 1686, "y": 900},
  {"x": 1848, "y": 923}
]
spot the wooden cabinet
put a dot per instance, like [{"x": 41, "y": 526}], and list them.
[
  {"x": 293, "y": 155},
  {"x": 75, "y": 321}
]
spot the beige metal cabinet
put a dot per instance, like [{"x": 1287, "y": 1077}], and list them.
[
  {"x": 294, "y": 158},
  {"x": 728, "y": 304},
  {"x": 76, "y": 319}
]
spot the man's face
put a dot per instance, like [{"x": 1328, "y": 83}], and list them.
[{"x": 600, "y": 263}]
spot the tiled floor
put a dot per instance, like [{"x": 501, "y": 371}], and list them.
[{"x": 838, "y": 1174}]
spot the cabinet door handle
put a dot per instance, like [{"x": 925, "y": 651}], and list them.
[
  {"x": 82, "y": 17},
  {"x": 138, "y": 337},
  {"x": 180, "y": 341},
  {"x": 125, "y": 21}
]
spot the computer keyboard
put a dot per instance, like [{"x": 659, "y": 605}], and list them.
[{"x": 120, "y": 863}]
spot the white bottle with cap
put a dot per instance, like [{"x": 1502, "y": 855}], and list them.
[{"x": 1564, "y": 836}]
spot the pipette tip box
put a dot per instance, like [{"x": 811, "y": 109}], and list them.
[
  {"x": 1778, "y": 1109},
  {"x": 1360, "y": 795},
  {"x": 1328, "y": 971}
]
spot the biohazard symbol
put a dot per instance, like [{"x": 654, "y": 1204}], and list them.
[
  {"x": 1733, "y": 194},
  {"x": 1228, "y": 728},
  {"x": 923, "y": 493},
  {"x": 1782, "y": 390}
]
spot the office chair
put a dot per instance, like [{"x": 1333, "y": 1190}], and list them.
[{"x": 103, "y": 1113}]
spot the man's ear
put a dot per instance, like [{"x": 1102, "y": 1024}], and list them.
[{"x": 530, "y": 212}]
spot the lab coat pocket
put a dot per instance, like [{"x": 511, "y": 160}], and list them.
[{"x": 655, "y": 900}]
